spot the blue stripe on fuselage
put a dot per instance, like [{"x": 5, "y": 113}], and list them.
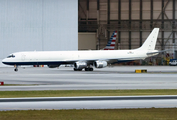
[
  {"x": 38, "y": 63},
  {"x": 52, "y": 63}
]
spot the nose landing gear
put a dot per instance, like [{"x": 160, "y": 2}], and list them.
[{"x": 16, "y": 68}]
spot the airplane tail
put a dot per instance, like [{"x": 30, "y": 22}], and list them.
[
  {"x": 112, "y": 41},
  {"x": 150, "y": 42}
]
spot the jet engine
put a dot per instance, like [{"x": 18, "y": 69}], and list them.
[
  {"x": 53, "y": 66},
  {"x": 80, "y": 65},
  {"x": 100, "y": 64}
]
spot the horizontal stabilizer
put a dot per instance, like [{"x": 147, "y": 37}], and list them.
[{"x": 150, "y": 53}]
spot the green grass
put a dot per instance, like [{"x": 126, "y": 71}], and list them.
[
  {"x": 107, "y": 114},
  {"x": 65, "y": 93}
]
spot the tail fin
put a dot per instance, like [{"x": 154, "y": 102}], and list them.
[
  {"x": 112, "y": 41},
  {"x": 150, "y": 42}
]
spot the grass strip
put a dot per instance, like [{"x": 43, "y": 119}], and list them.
[
  {"x": 66, "y": 93},
  {"x": 107, "y": 114}
]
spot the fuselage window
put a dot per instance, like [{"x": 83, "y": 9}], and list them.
[{"x": 11, "y": 56}]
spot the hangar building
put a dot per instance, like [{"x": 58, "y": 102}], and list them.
[
  {"x": 85, "y": 24},
  {"x": 29, "y": 25},
  {"x": 133, "y": 19}
]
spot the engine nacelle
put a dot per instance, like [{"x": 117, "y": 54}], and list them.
[
  {"x": 80, "y": 65},
  {"x": 100, "y": 64},
  {"x": 53, "y": 66}
]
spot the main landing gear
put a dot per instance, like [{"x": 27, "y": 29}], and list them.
[
  {"x": 16, "y": 68},
  {"x": 77, "y": 69},
  {"x": 89, "y": 69},
  {"x": 86, "y": 69}
]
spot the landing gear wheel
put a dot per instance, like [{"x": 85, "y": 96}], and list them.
[
  {"x": 77, "y": 69},
  {"x": 16, "y": 68},
  {"x": 88, "y": 69}
]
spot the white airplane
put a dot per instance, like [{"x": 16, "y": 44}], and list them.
[{"x": 84, "y": 59}]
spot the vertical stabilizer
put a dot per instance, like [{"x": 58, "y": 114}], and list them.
[
  {"x": 150, "y": 42},
  {"x": 112, "y": 41}
]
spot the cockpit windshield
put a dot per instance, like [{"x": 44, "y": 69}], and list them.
[{"x": 11, "y": 56}]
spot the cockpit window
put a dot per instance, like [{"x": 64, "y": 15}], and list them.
[{"x": 11, "y": 56}]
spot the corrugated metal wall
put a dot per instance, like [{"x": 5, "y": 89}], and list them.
[{"x": 38, "y": 25}]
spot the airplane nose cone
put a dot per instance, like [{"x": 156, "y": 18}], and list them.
[{"x": 4, "y": 61}]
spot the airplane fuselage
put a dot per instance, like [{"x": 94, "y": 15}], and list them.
[{"x": 69, "y": 57}]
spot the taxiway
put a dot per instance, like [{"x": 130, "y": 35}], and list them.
[
  {"x": 120, "y": 77},
  {"x": 101, "y": 102}
]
